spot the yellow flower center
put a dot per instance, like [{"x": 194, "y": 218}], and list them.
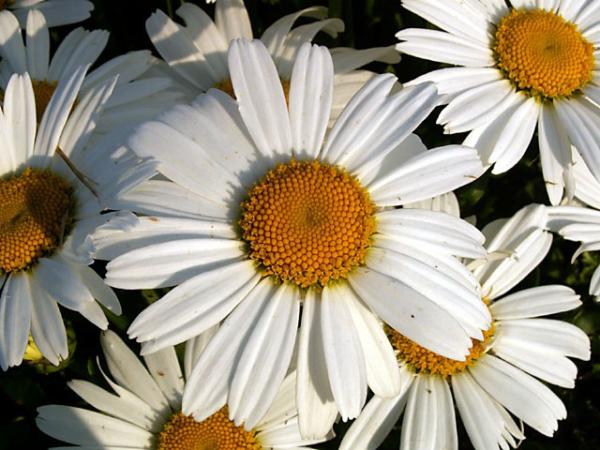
[
  {"x": 308, "y": 223},
  {"x": 36, "y": 214},
  {"x": 215, "y": 433},
  {"x": 43, "y": 91},
  {"x": 227, "y": 87},
  {"x": 425, "y": 361},
  {"x": 32, "y": 351},
  {"x": 543, "y": 54}
]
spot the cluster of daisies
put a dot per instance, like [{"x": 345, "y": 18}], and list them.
[{"x": 315, "y": 262}]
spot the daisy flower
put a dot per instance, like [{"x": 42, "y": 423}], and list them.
[
  {"x": 133, "y": 99},
  {"x": 197, "y": 52},
  {"x": 526, "y": 65},
  {"x": 146, "y": 411},
  {"x": 49, "y": 209},
  {"x": 498, "y": 380},
  {"x": 56, "y": 12},
  {"x": 263, "y": 216}
]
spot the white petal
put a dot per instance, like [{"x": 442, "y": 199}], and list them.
[
  {"x": 265, "y": 358},
  {"x": 457, "y": 50},
  {"x": 260, "y": 96},
  {"x": 432, "y": 173},
  {"x": 581, "y": 120},
  {"x": 208, "y": 386},
  {"x": 57, "y": 112},
  {"x": 80, "y": 426},
  {"x": 481, "y": 419},
  {"x": 195, "y": 305},
  {"x": 317, "y": 410},
  {"x": 126, "y": 407},
  {"x": 181, "y": 159},
  {"x": 15, "y": 319},
  {"x": 129, "y": 372},
  {"x": 170, "y": 263},
  {"x": 420, "y": 425},
  {"x": 456, "y": 17},
  {"x": 375, "y": 422},
  {"x": 539, "y": 361},
  {"x": 11, "y": 43},
  {"x": 232, "y": 19},
  {"x": 439, "y": 231},
  {"x": 555, "y": 152},
  {"x": 47, "y": 327},
  {"x": 311, "y": 93},
  {"x": 164, "y": 368},
  {"x": 211, "y": 44},
  {"x": 521, "y": 394},
  {"x": 383, "y": 376},
  {"x": 343, "y": 354},
  {"x": 19, "y": 111},
  {"x": 178, "y": 49},
  {"x": 554, "y": 335},
  {"x": 38, "y": 45},
  {"x": 535, "y": 302}
]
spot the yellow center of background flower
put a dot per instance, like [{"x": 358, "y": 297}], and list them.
[
  {"x": 425, "y": 361},
  {"x": 542, "y": 53},
  {"x": 43, "y": 91},
  {"x": 215, "y": 433},
  {"x": 308, "y": 223},
  {"x": 34, "y": 217},
  {"x": 227, "y": 87}
]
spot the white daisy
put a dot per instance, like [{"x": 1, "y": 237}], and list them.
[
  {"x": 49, "y": 209},
  {"x": 197, "y": 52},
  {"x": 133, "y": 99},
  {"x": 263, "y": 216},
  {"x": 526, "y": 65},
  {"x": 56, "y": 12},
  {"x": 498, "y": 376},
  {"x": 146, "y": 412}
]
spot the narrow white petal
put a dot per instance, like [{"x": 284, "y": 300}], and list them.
[
  {"x": 521, "y": 394},
  {"x": 343, "y": 354},
  {"x": 195, "y": 305},
  {"x": 38, "y": 45},
  {"x": 80, "y": 426},
  {"x": 170, "y": 263},
  {"x": 535, "y": 302},
  {"x": 129, "y": 372},
  {"x": 317, "y": 410},
  {"x": 15, "y": 319},
  {"x": 375, "y": 422},
  {"x": 265, "y": 358},
  {"x": 260, "y": 96},
  {"x": 432, "y": 173},
  {"x": 311, "y": 93}
]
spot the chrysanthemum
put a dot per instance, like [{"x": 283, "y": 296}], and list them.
[
  {"x": 263, "y": 216},
  {"x": 132, "y": 101},
  {"x": 197, "y": 52},
  {"x": 526, "y": 65},
  {"x": 49, "y": 209},
  {"x": 56, "y": 12},
  {"x": 499, "y": 375},
  {"x": 146, "y": 412}
]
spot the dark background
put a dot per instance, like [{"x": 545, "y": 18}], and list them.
[{"x": 368, "y": 23}]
